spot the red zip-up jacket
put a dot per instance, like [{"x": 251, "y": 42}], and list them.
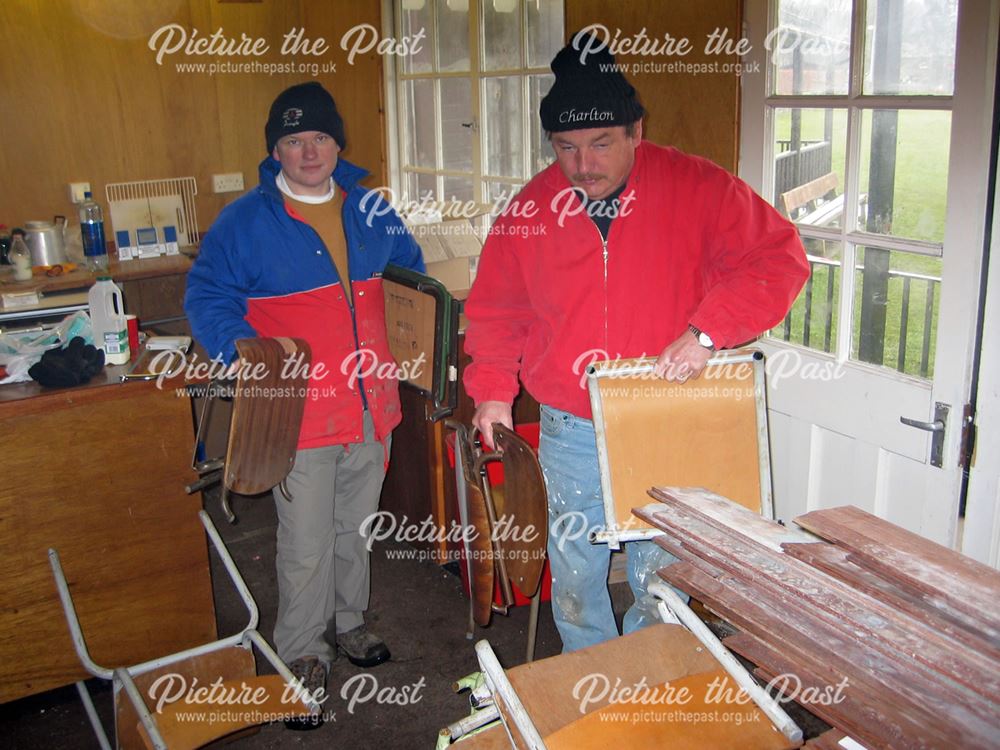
[{"x": 695, "y": 245}]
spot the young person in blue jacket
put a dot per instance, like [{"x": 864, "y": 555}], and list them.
[{"x": 302, "y": 256}]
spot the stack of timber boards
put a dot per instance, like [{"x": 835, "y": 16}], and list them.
[{"x": 913, "y": 627}]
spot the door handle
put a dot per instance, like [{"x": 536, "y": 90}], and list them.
[{"x": 936, "y": 428}]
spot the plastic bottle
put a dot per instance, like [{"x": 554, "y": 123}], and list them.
[
  {"x": 107, "y": 317},
  {"x": 20, "y": 258},
  {"x": 95, "y": 250}
]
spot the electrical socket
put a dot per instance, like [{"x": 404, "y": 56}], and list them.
[
  {"x": 76, "y": 191},
  {"x": 227, "y": 183}
]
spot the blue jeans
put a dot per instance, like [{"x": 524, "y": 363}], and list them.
[{"x": 581, "y": 604}]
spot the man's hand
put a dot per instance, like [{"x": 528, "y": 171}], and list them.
[
  {"x": 486, "y": 414},
  {"x": 682, "y": 360}
]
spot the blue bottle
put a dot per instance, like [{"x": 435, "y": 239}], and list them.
[{"x": 95, "y": 250}]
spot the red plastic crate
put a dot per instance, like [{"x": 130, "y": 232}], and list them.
[{"x": 494, "y": 471}]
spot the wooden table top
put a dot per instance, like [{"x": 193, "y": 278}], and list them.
[{"x": 81, "y": 278}]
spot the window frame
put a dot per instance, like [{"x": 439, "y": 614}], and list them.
[
  {"x": 757, "y": 156},
  {"x": 394, "y": 79}
]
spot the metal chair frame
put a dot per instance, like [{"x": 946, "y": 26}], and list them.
[
  {"x": 479, "y": 472},
  {"x": 122, "y": 678},
  {"x": 496, "y": 699}
]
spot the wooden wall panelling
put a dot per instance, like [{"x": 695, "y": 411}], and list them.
[
  {"x": 355, "y": 85},
  {"x": 83, "y": 98},
  {"x": 696, "y": 113}
]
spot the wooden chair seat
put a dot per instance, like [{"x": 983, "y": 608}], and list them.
[
  {"x": 695, "y": 725},
  {"x": 185, "y": 726},
  {"x": 526, "y": 503},
  {"x": 267, "y": 414},
  {"x": 481, "y": 562}
]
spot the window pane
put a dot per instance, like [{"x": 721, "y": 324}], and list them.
[
  {"x": 810, "y": 48},
  {"x": 501, "y": 34},
  {"x": 418, "y": 117},
  {"x": 421, "y": 187},
  {"x": 414, "y": 16},
  {"x": 545, "y": 31},
  {"x": 453, "y": 31},
  {"x": 499, "y": 194},
  {"x": 458, "y": 189},
  {"x": 809, "y": 153},
  {"x": 812, "y": 321},
  {"x": 502, "y": 130},
  {"x": 904, "y": 173},
  {"x": 896, "y": 309},
  {"x": 541, "y": 152},
  {"x": 456, "y": 113},
  {"x": 910, "y": 47}
]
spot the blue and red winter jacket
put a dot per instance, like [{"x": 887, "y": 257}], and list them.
[{"x": 262, "y": 271}]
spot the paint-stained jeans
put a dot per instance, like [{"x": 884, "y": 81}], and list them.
[{"x": 581, "y": 604}]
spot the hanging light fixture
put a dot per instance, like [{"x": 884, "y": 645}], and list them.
[
  {"x": 462, "y": 6},
  {"x": 504, "y": 6},
  {"x": 413, "y": 4}
]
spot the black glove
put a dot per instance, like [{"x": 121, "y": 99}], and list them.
[{"x": 64, "y": 368}]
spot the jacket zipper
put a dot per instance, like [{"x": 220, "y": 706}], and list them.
[
  {"x": 604, "y": 255},
  {"x": 349, "y": 296}
]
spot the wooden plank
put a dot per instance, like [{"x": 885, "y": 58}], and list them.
[
  {"x": 829, "y": 740},
  {"x": 961, "y": 582},
  {"x": 852, "y": 709},
  {"x": 784, "y": 623},
  {"x": 908, "y": 641},
  {"x": 728, "y": 516},
  {"x": 811, "y": 191},
  {"x": 836, "y": 561}
]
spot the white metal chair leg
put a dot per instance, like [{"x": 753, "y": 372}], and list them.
[
  {"x": 673, "y": 608},
  {"x": 123, "y": 678},
  {"x": 500, "y": 686},
  {"x": 95, "y": 720}
]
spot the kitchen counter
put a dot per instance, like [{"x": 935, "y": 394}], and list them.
[
  {"x": 81, "y": 278},
  {"x": 98, "y": 473},
  {"x": 153, "y": 289}
]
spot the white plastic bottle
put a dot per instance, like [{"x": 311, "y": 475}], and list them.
[{"x": 107, "y": 316}]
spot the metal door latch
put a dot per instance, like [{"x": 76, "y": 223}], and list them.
[{"x": 937, "y": 428}]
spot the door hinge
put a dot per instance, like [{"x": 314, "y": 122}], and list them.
[{"x": 967, "y": 449}]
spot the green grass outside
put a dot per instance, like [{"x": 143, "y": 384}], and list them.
[{"x": 918, "y": 212}]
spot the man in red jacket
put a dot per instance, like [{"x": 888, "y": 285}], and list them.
[{"x": 619, "y": 249}]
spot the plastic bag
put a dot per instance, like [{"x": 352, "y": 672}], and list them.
[{"x": 19, "y": 351}]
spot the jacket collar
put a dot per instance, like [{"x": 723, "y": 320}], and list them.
[{"x": 345, "y": 174}]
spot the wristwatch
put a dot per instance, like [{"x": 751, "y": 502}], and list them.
[{"x": 703, "y": 338}]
